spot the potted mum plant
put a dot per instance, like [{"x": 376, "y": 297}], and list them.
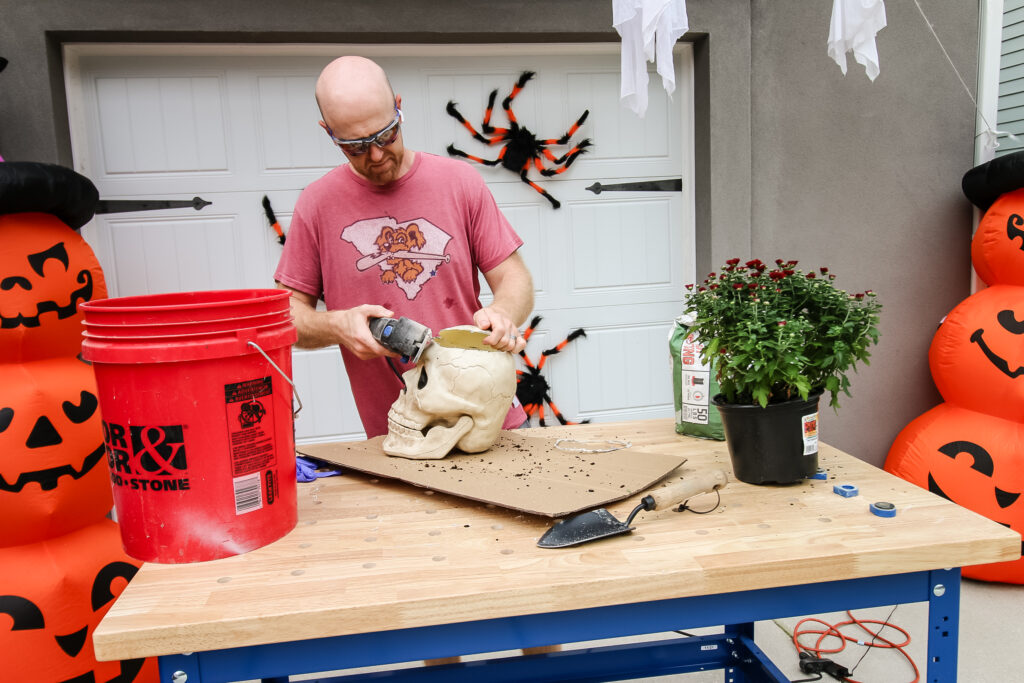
[{"x": 778, "y": 338}]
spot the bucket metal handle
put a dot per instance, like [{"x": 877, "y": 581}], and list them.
[{"x": 295, "y": 392}]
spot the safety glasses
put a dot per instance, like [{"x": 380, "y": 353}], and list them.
[{"x": 381, "y": 138}]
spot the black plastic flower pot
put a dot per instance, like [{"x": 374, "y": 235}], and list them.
[{"x": 777, "y": 444}]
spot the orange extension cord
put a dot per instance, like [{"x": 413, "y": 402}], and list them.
[{"x": 834, "y": 631}]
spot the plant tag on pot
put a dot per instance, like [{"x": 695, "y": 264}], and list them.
[
  {"x": 694, "y": 384},
  {"x": 810, "y": 426}
]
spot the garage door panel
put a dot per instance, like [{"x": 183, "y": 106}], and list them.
[
  {"x": 620, "y": 244},
  {"x": 622, "y": 369},
  {"x": 161, "y": 125},
  {"x": 157, "y": 255},
  {"x": 288, "y": 130},
  {"x": 328, "y": 410}
]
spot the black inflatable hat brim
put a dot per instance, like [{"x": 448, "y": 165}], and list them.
[
  {"x": 27, "y": 186},
  {"x": 985, "y": 183}
]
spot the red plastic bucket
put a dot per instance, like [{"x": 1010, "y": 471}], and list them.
[{"x": 197, "y": 420}]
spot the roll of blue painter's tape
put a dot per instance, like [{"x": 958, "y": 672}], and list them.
[
  {"x": 883, "y": 509},
  {"x": 845, "y": 490}
]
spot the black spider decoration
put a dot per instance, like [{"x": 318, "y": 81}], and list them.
[
  {"x": 522, "y": 148},
  {"x": 532, "y": 388}
]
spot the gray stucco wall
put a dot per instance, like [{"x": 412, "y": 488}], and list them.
[{"x": 793, "y": 160}]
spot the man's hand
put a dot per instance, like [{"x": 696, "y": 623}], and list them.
[
  {"x": 350, "y": 328},
  {"x": 504, "y": 334}
]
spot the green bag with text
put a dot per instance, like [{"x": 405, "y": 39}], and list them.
[{"x": 694, "y": 384}]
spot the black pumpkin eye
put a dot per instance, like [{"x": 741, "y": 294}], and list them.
[
  {"x": 57, "y": 251},
  {"x": 6, "y": 415},
  {"x": 83, "y": 411},
  {"x": 26, "y": 614},
  {"x": 423, "y": 379},
  {"x": 982, "y": 460},
  {"x": 101, "y": 585},
  {"x": 9, "y": 283},
  {"x": 1010, "y": 322}
]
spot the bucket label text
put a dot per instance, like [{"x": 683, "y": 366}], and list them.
[
  {"x": 250, "y": 419},
  {"x": 146, "y": 458}
]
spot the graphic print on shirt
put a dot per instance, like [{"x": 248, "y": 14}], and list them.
[{"x": 408, "y": 254}]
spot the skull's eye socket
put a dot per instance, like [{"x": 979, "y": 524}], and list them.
[{"x": 423, "y": 379}]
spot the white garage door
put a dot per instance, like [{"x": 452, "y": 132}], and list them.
[{"x": 154, "y": 124}]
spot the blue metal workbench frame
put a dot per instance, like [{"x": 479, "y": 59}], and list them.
[{"x": 734, "y": 650}]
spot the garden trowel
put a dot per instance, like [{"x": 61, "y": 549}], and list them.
[{"x": 600, "y": 523}]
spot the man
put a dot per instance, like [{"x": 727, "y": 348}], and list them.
[{"x": 395, "y": 233}]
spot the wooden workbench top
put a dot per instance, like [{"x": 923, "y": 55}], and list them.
[{"x": 372, "y": 554}]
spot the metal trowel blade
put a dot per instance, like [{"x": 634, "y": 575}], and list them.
[{"x": 588, "y": 526}]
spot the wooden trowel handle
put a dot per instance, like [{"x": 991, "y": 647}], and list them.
[{"x": 704, "y": 482}]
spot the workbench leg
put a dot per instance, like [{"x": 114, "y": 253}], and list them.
[
  {"x": 179, "y": 669},
  {"x": 748, "y": 663},
  {"x": 943, "y": 624}
]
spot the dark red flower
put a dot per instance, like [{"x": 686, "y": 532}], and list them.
[
  {"x": 690, "y": 287},
  {"x": 733, "y": 261},
  {"x": 776, "y": 275},
  {"x": 737, "y": 285},
  {"x": 810, "y": 275}
]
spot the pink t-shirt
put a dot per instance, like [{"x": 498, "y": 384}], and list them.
[{"x": 413, "y": 246}]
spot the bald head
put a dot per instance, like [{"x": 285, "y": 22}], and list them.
[{"x": 353, "y": 92}]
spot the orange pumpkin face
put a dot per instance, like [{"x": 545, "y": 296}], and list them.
[
  {"x": 46, "y": 270},
  {"x": 52, "y": 596},
  {"x": 53, "y": 475},
  {"x": 977, "y": 355},
  {"x": 997, "y": 249},
  {"x": 973, "y": 459}
]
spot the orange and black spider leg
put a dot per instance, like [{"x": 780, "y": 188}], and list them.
[
  {"x": 558, "y": 413},
  {"x": 506, "y": 104},
  {"x": 565, "y": 161},
  {"x": 452, "y": 151},
  {"x": 540, "y": 414},
  {"x": 554, "y": 202},
  {"x": 564, "y": 140},
  {"x": 454, "y": 113},
  {"x": 575, "y": 334},
  {"x": 487, "y": 127},
  {"x": 529, "y": 331}
]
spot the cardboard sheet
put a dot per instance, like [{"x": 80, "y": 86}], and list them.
[{"x": 526, "y": 473}]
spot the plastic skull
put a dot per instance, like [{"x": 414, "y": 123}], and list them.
[{"x": 454, "y": 397}]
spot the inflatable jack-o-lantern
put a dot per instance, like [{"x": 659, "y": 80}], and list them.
[
  {"x": 973, "y": 459},
  {"x": 53, "y": 475},
  {"x": 997, "y": 249},
  {"x": 970, "y": 449},
  {"x": 46, "y": 270},
  {"x": 52, "y": 596},
  {"x": 977, "y": 354}
]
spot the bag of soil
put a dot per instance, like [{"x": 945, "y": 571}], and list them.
[{"x": 694, "y": 384}]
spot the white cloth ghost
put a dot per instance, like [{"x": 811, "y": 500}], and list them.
[
  {"x": 649, "y": 29},
  {"x": 855, "y": 23}
]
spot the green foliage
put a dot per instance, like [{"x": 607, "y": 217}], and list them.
[{"x": 777, "y": 334}]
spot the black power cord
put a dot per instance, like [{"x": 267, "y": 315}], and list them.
[{"x": 809, "y": 664}]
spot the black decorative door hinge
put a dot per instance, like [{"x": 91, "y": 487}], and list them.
[
  {"x": 124, "y": 205},
  {"x": 667, "y": 185}
]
